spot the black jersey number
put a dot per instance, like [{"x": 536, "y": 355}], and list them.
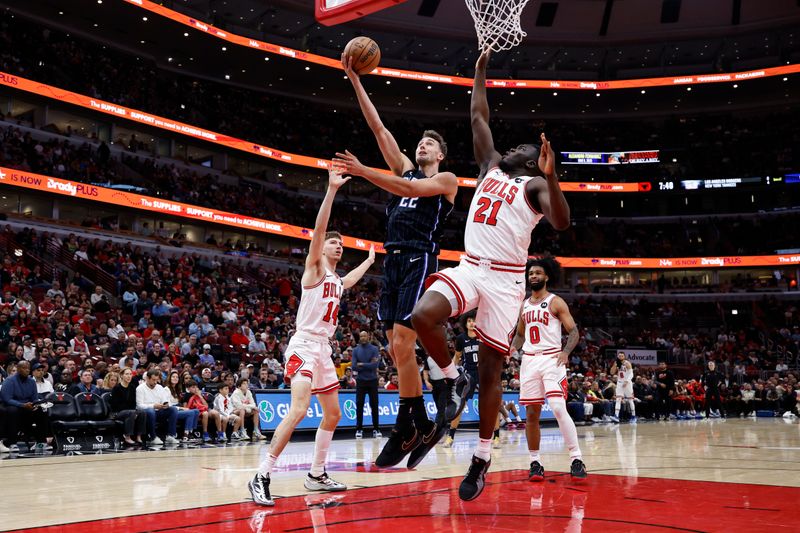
[{"x": 410, "y": 203}]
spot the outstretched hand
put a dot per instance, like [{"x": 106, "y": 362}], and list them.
[
  {"x": 547, "y": 159},
  {"x": 371, "y": 256},
  {"x": 335, "y": 179},
  {"x": 483, "y": 60},
  {"x": 347, "y": 65},
  {"x": 347, "y": 163}
]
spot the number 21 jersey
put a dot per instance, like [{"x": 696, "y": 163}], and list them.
[{"x": 501, "y": 219}]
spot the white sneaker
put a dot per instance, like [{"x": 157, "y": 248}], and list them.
[
  {"x": 259, "y": 490},
  {"x": 376, "y": 434},
  {"x": 171, "y": 440},
  {"x": 258, "y": 435},
  {"x": 243, "y": 435},
  {"x": 323, "y": 482},
  {"x": 155, "y": 441},
  {"x": 359, "y": 434},
  {"x": 8, "y": 449},
  {"x": 614, "y": 419}
]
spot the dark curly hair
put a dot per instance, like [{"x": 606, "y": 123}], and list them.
[{"x": 550, "y": 266}]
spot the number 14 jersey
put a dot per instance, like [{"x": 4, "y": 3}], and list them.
[
  {"x": 501, "y": 219},
  {"x": 318, "y": 311}
]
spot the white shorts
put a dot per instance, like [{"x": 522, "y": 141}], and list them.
[
  {"x": 540, "y": 378},
  {"x": 624, "y": 391},
  {"x": 309, "y": 360},
  {"x": 497, "y": 291}
]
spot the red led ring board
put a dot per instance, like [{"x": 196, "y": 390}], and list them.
[{"x": 332, "y": 12}]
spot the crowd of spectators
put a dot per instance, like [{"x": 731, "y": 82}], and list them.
[
  {"x": 703, "y": 146},
  {"x": 190, "y": 316},
  {"x": 87, "y": 162}
]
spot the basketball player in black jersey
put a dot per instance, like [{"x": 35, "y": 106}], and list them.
[
  {"x": 466, "y": 355},
  {"x": 422, "y": 198}
]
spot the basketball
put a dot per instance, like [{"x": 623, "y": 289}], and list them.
[{"x": 364, "y": 53}]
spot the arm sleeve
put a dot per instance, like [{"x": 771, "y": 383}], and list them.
[
  {"x": 6, "y": 394},
  {"x": 371, "y": 365},
  {"x": 140, "y": 399}
]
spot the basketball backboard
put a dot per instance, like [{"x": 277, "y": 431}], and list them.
[{"x": 332, "y": 12}]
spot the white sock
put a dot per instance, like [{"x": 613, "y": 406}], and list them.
[
  {"x": 617, "y": 405},
  {"x": 266, "y": 466},
  {"x": 450, "y": 371},
  {"x": 632, "y": 407},
  {"x": 535, "y": 455},
  {"x": 566, "y": 425},
  {"x": 321, "y": 444},
  {"x": 484, "y": 450}
]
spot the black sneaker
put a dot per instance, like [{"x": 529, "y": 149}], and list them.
[
  {"x": 456, "y": 396},
  {"x": 577, "y": 470},
  {"x": 259, "y": 489},
  {"x": 536, "y": 472},
  {"x": 429, "y": 440},
  {"x": 398, "y": 447},
  {"x": 472, "y": 484}
]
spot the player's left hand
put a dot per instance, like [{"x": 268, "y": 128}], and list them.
[
  {"x": 335, "y": 179},
  {"x": 547, "y": 159},
  {"x": 348, "y": 163},
  {"x": 562, "y": 359},
  {"x": 371, "y": 256}
]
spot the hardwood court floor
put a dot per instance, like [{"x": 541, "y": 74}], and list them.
[{"x": 718, "y": 475}]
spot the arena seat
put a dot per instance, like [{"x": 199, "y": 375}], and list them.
[
  {"x": 94, "y": 412},
  {"x": 63, "y": 413}
]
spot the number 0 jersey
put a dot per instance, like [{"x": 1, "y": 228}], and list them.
[
  {"x": 319, "y": 306},
  {"x": 501, "y": 219},
  {"x": 542, "y": 328}
]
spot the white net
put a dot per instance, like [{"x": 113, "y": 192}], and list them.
[{"x": 497, "y": 23}]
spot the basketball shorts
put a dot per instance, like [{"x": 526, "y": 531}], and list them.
[
  {"x": 404, "y": 275},
  {"x": 624, "y": 390},
  {"x": 308, "y": 359},
  {"x": 496, "y": 290},
  {"x": 540, "y": 378},
  {"x": 473, "y": 385}
]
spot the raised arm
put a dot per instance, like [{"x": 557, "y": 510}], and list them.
[
  {"x": 482, "y": 143},
  {"x": 314, "y": 269},
  {"x": 548, "y": 194},
  {"x": 357, "y": 273},
  {"x": 561, "y": 310},
  {"x": 445, "y": 183},
  {"x": 394, "y": 157}
]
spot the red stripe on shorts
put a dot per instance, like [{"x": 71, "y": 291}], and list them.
[{"x": 462, "y": 302}]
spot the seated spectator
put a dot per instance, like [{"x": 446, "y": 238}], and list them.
[
  {"x": 86, "y": 383},
  {"x": 348, "y": 381},
  {"x": 392, "y": 385},
  {"x": 153, "y": 400},
  {"x": 19, "y": 409},
  {"x": 261, "y": 380},
  {"x": 228, "y": 415},
  {"x": 109, "y": 382},
  {"x": 123, "y": 407},
  {"x": 208, "y": 382},
  {"x": 243, "y": 401},
  {"x": 206, "y": 359},
  {"x": 195, "y": 400},
  {"x": 43, "y": 387},
  {"x": 176, "y": 393}
]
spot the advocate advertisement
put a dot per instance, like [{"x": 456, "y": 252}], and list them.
[
  {"x": 640, "y": 357},
  {"x": 273, "y": 407},
  {"x": 609, "y": 158}
]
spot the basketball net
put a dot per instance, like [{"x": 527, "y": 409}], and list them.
[{"x": 497, "y": 23}]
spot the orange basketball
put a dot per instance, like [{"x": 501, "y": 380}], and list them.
[{"x": 364, "y": 53}]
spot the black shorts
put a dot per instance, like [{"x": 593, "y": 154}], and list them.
[
  {"x": 473, "y": 385},
  {"x": 404, "y": 276}
]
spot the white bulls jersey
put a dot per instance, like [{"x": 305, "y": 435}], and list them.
[
  {"x": 542, "y": 328},
  {"x": 500, "y": 219},
  {"x": 319, "y": 306},
  {"x": 624, "y": 374}
]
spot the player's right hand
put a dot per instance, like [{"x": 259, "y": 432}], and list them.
[
  {"x": 483, "y": 59},
  {"x": 352, "y": 75}
]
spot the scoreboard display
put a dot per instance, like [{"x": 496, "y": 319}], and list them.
[{"x": 609, "y": 158}]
